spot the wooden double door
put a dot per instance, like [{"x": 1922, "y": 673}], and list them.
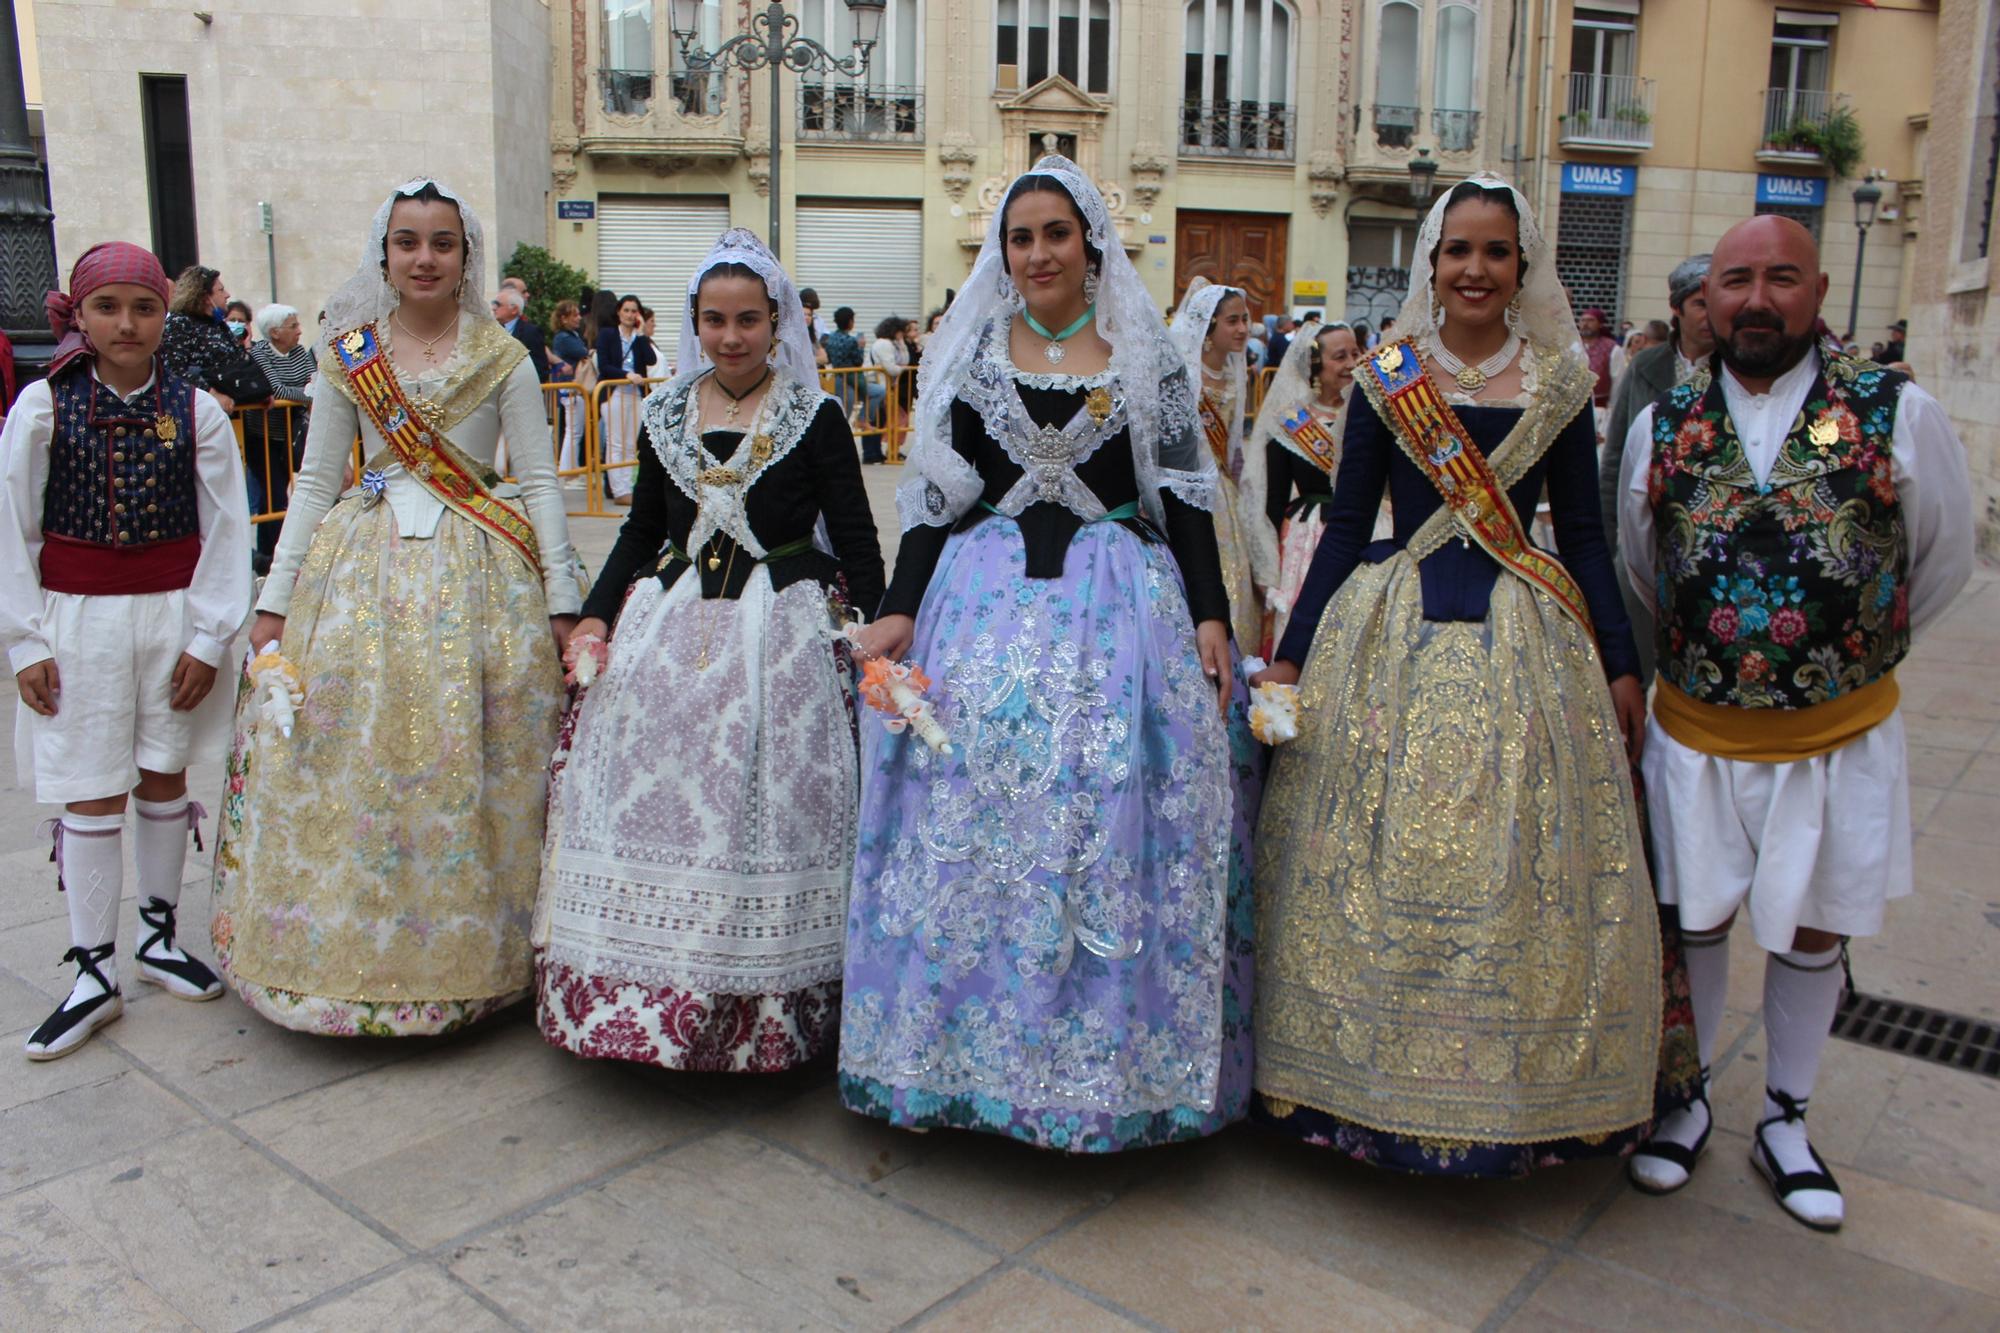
[{"x": 1246, "y": 250}]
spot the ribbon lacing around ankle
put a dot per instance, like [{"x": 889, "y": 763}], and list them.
[
  {"x": 86, "y": 960},
  {"x": 159, "y": 914},
  {"x": 1793, "y": 1108},
  {"x": 52, "y": 829}
]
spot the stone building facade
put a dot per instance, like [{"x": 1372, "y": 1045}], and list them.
[
  {"x": 319, "y": 110},
  {"x": 1263, "y": 142},
  {"x": 1955, "y": 298},
  {"x": 1669, "y": 121}
]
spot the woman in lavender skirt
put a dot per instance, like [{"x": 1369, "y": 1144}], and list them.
[{"x": 1049, "y": 930}]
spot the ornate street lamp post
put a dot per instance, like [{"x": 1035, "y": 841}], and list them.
[
  {"x": 772, "y": 41},
  {"x": 1866, "y": 196},
  {"x": 27, "y": 238},
  {"x": 1423, "y": 177}
]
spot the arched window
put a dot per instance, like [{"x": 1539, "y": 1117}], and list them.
[
  {"x": 1453, "y": 117},
  {"x": 1036, "y": 38},
  {"x": 1396, "y": 59},
  {"x": 1237, "y": 85},
  {"x": 884, "y": 105}
]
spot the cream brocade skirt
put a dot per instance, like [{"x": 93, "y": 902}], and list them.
[
  {"x": 1246, "y": 608},
  {"x": 1456, "y": 934},
  {"x": 377, "y": 870}
]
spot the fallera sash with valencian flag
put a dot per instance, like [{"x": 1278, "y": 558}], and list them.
[
  {"x": 1314, "y": 441},
  {"x": 1215, "y": 426},
  {"x": 1438, "y": 442},
  {"x": 444, "y": 469}
]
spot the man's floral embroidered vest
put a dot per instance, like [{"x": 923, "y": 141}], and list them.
[{"x": 1791, "y": 592}]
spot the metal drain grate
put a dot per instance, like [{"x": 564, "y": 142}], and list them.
[{"x": 1908, "y": 1029}]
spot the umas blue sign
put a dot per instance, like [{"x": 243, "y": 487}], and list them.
[
  {"x": 1596, "y": 178},
  {"x": 1797, "y": 191}
]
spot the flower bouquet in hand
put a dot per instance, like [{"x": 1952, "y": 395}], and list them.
[
  {"x": 585, "y": 659},
  {"x": 280, "y": 689},
  {"x": 1274, "y": 708},
  {"x": 897, "y": 689}
]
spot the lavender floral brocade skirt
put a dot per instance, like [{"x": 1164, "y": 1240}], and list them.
[
  {"x": 1049, "y": 934},
  {"x": 701, "y": 835}
]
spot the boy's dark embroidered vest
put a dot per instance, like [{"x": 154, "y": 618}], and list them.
[
  {"x": 1790, "y": 593},
  {"x": 119, "y": 514}
]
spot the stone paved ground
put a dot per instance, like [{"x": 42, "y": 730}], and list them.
[{"x": 195, "y": 1166}]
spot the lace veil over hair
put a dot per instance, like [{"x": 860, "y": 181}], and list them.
[
  {"x": 1290, "y": 389},
  {"x": 1545, "y": 319},
  {"x": 1247, "y": 466},
  {"x": 1151, "y": 374},
  {"x": 791, "y": 348},
  {"x": 367, "y": 297}
]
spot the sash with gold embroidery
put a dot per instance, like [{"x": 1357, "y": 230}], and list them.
[
  {"x": 1314, "y": 441},
  {"x": 444, "y": 469},
  {"x": 1215, "y": 425},
  {"x": 1438, "y": 442}
]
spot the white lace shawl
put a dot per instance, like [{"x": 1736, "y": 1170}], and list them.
[
  {"x": 791, "y": 348},
  {"x": 960, "y": 362},
  {"x": 1190, "y": 330},
  {"x": 1545, "y": 319}
]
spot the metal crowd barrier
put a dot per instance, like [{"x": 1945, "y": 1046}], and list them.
[{"x": 594, "y": 437}]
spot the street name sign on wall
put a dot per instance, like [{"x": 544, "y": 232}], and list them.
[
  {"x": 1597, "y": 178},
  {"x": 576, "y": 210},
  {"x": 1794, "y": 191}
]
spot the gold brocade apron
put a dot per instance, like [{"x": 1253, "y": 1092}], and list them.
[{"x": 1456, "y": 932}]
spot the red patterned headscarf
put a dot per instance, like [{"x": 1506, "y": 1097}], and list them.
[{"x": 100, "y": 266}]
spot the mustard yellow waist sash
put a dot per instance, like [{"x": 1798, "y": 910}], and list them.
[{"x": 1774, "y": 735}]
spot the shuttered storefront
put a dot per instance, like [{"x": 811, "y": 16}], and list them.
[
  {"x": 868, "y": 257},
  {"x": 649, "y": 248}
]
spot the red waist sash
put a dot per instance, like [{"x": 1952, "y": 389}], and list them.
[{"x": 69, "y": 565}]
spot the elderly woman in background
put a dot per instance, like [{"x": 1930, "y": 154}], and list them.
[{"x": 273, "y": 437}]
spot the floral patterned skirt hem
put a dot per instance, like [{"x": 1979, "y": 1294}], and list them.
[
  {"x": 326, "y": 1017},
  {"x": 1058, "y": 1129},
  {"x": 609, "y": 1018}
]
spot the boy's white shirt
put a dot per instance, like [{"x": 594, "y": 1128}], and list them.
[{"x": 218, "y": 596}]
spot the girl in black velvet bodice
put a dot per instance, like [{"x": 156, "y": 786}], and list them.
[{"x": 820, "y": 477}]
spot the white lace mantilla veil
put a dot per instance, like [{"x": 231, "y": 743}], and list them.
[
  {"x": 791, "y": 349},
  {"x": 1545, "y": 319},
  {"x": 368, "y": 298},
  {"x": 1159, "y": 401},
  {"x": 1290, "y": 389},
  {"x": 1190, "y": 329}
]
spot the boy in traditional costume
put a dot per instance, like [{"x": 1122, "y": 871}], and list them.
[
  {"x": 124, "y": 574},
  {"x": 1792, "y": 515}
]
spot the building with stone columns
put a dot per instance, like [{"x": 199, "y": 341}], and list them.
[
  {"x": 170, "y": 123},
  {"x": 1955, "y": 298}
]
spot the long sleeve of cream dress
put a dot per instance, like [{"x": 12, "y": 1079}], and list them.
[{"x": 515, "y": 407}]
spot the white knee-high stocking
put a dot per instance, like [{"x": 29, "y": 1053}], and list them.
[{"x": 91, "y": 854}]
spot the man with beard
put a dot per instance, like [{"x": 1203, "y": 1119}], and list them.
[
  {"x": 1804, "y": 512},
  {"x": 1651, "y": 373}
]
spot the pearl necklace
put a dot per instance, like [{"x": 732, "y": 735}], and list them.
[{"x": 1473, "y": 378}]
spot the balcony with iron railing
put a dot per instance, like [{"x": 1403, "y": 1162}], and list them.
[
  {"x": 1263, "y": 130},
  {"x": 1395, "y": 126},
  {"x": 648, "y": 114},
  {"x": 1613, "y": 112},
  {"x": 1456, "y": 131},
  {"x": 861, "y": 113},
  {"x": 1793, "y": 118}
]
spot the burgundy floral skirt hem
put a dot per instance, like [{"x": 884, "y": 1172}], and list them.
[{"x": 610, "y": 1018}]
